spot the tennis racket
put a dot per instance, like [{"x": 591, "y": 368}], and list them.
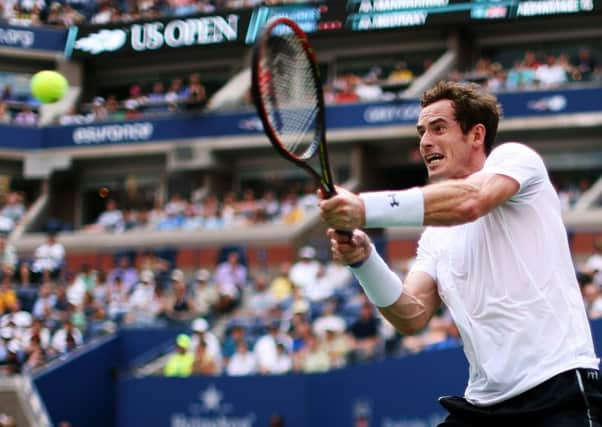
[{"x": 287, "y": 93}]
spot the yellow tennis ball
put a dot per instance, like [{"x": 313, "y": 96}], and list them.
[{"x": 48, "y": 86}]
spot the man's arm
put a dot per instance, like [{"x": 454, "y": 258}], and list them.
[
  {"x": 455, "y": 202},
  {"x": 417, "y": 304},
  {"x": 408, "y": 306},
  {"x": 449, "y": 202}
]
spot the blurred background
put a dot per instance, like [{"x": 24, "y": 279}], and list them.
[{"x": 162, "y": 266}]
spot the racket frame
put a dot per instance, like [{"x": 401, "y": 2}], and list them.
[{"x": 323, "y": 178}]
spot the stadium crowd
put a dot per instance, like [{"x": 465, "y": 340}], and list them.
[
  {"x": 184, "y": 94},
  {"x": 64, "y": 13},
  {"x": 308, "y": 316},
  {"x": 209, "y": 213}
]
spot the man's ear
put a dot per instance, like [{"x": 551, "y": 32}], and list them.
[{"x": 478, "y": 132}]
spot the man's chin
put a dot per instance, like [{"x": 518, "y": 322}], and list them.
[{"x": 435, "y": 177}]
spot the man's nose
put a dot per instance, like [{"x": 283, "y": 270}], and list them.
[{"x": 425, "y": 142}]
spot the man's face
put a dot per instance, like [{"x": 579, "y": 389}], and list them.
[{"x": 445, "y": 150}]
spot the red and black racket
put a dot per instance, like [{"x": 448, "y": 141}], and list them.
[{"x": 287, "y": 93}]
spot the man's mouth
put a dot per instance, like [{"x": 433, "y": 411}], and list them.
[{"x": 433, "y": 158}]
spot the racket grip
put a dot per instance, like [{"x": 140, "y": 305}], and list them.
[{"x": 345, "y": 233}]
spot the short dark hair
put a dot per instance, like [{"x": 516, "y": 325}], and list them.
[{"x": 472, "y": 105}]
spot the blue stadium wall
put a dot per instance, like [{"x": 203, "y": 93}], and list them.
[{"x": 88, "y": 390}]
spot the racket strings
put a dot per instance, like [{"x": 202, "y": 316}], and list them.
[{"x": 291, "y": 97}]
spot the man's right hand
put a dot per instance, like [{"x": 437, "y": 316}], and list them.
[
  {"x": 343, "y": 211},
  {"x": 349, "y": 251}
]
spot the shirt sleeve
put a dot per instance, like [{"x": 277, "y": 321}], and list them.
[
  {"x": 426, "y": 260},
  {"x": 520, "y": 163}
]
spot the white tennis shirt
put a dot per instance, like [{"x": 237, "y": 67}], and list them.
[{"x": 509, "y": 283}]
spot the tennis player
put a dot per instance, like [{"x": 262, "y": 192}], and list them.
[{"x": 495, "y": 252}]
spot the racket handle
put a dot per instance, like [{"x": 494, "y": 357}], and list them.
[{"x": 345, "y": 233}]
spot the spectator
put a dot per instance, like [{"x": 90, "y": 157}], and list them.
[
  {"x": 364, "y": 331},
  {"x": 261, "y": 301},
  {"x": 172, "y": 221},
  {"x": 110, "y": 220},
  {"x": 346, "y": 93},
  {"x": 65, "y": 337},
  {"x": 204, "y": 363},
  {"x": 181, "y": 307},
  {"x": 105, "y": 13},
  {"x": 270, "y": 205},
  {"x": 191, "y": 221},
  {"x": 8, "y": 253},
  {"x": 551, "y": 74},
  {"x": 314, "y": 357},
  {"x": 49, "y": 258},
  {"x": 308, "y": 199},
  {"x": 84, "y": 282},
  {"x": 45, "y": 303},
  {"x": 35, "y": 358},
  {"x": 60, "y": 310},
  {"x": 284, "y": 362},
  {"x": 236, "y": 333},
  {"x": 176, "y": 93},
  {"x": 144, "y": 306},
  {"x": 157, "y": 96},
  {"x": 99, "y": 111},
  {"x": 231, "y": 278},
  {"x": 5, "y": 116},
  {"x": 266, "y": 349},
  {"x": 7, "y": 93},
  {"x": 305, "y": 271},
  {"x": 180, "y": 363},
  {"x": 8, "y": 296},
  {"x": 200, "y": 329},
  {"x": 196, "y": 94},
  {"x": 584, "y": 64},
  {"x": 118, "y": 301},
  {"x": 593, "y": 264},
  {"x": 71, "y": 17},
  {"x": 36, "y": 334},
  {"x": 205, "y": 294},
  {"x": 281, "y": 285},
  {"x": 114, "y": 113},
  {"x": 401, "y": 74},
  {"x": 26, "y": 117},
  {"x": 126, "y": 271},
  {"x": 132, "y": 111},
  {"x": 54, "y": 14},
  {"x": 243, "y": 361},
  {"x": 593, "y": 300}
]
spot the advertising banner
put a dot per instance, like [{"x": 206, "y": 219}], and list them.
[
  {"x": 339, "y": 117},
  {"x": 32, "y": 38}
]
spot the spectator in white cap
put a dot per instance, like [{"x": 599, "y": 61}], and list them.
[
  {"x": 144, "y": 303},
  {"x": 305, "y": 271},
  {"x": 205, "y": 293},
  {"x": 200, "y": 329}
]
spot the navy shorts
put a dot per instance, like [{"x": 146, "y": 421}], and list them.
[{"x": 570, "y": 399}]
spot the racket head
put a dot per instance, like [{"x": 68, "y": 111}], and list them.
[{"x": 287, "y": 92}]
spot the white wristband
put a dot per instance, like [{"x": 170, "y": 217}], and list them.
[
  {"x": 391, "y": 208},
  {"x": 381, "y": 285}
]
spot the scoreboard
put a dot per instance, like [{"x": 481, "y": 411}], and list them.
[
  {"x": 317, "y": 16},
  {"x": 365, "y": 15}
]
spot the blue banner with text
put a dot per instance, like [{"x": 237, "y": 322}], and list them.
[{"x": 339, "y": 117}]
